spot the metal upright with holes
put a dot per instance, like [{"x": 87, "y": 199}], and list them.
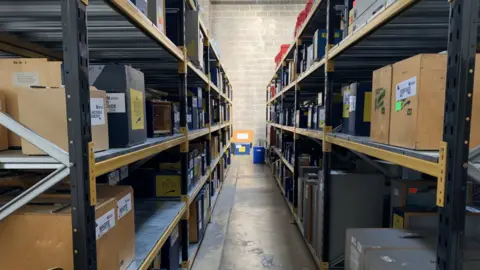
[
  {"x": 462, "y": 46},
  {"x": 75, "y": 50}
]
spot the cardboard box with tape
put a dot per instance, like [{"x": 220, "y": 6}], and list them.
[
  {"x": 418, "y": 103},
  {"x": 18, "y": 73},
  {"x": 44, "y": 110},
  {"x": 39, "y": 236}
]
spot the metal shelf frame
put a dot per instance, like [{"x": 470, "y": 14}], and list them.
[
  {"x": 450, "y": 164},
  {"x": 70, "y": 43}
]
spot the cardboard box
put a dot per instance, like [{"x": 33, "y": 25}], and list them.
[
  {"x": 195, "y": 219},
  {"x": 418, "y": 101},
  {"x": 3, "y": 130},
  {"x": 125, "y": 87},
  {"x": 125, "y": 222},
  {"x": 381, "y": 103},
  {"x": 44, "y": 110},
  {"x": 40, "y": 237},
  {"x": 17, "y": 73}
]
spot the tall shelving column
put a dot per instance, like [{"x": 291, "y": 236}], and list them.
[
  {"x": 451, "y": 195},
  {"x": 82, "y": 176}
]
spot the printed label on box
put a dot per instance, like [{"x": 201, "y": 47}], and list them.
[
  {"x": 97, "y": 111},
  {"x": 351, "y": 103},
  {"x": 105, "y": 223},
  {"x": 124, "y": 205},
  {"x": 116, "y": 103},
  {"x": 189, "y": 118},
  {"x": 25, "y": 79},
  {"x": 136, "y": 109},
  {"x": 405, "y": 89},
  {"x": 322, "y": 115},
  {"x": 113, "y": 178}
]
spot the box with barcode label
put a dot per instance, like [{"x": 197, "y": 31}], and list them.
[
  {"x": 418, "y": 101},
  {"x": 123, "y": 196},
  {"x": 43, "y": 232},
  {"x": 43, "y": 110}
]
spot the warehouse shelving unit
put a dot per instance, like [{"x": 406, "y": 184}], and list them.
[
  {"x": 80, "y": 32},
  {"x": 403, "y": 28}
]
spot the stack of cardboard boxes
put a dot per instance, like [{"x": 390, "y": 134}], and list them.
[
  {"x": 408, "y": 103},
  {"x": 43, "y": 228},
  {"x": 32, "y": 93}
]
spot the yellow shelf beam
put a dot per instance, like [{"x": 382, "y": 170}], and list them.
[
  {"x": 427, "y": 167},
  {"x": 112, "y": 164}
]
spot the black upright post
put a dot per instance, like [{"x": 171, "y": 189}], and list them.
[
  {"x": 184, "y": 147},
  {"x": 296, "y": 152},
  {"x": 327, "y": 147},
  {"x": 462, "y": 44},
  {"x": 82, "y": 180}
]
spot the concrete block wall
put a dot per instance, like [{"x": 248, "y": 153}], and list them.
[{"x": 248, "y": 34}]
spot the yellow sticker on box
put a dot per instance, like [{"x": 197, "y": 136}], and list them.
[
  {"x": 167, "y": 185},
  {"x": 136, "y": 109},
  {"x": 367, "y": 107},
  {"x": 397, "y": 222},
  {"x": 242, "y": 149}
]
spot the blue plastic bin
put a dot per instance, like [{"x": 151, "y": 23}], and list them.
[
  {"x": 258, "y": 155},
  {"x": 241, "y": 149}
]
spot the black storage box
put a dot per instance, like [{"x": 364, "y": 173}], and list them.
[
  {"x": 170, "y": 253},
  {"x": 125, "y": 87},
  {"x": 301, "y": 119}
]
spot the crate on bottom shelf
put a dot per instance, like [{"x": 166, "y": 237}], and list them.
[
  {"x": 241, "y": 149},
  {"x": 170, "y": 252}
]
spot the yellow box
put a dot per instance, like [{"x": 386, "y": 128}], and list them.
[{"x": 168, "y": 185}]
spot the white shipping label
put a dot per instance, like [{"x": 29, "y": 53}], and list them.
[
  {"x": 124, "y": 205},
  {"x": 113, "y": 178},
  {"x": 322, "y": 115},
  {"x": 396, "y": 192},
  {"x": 116, "y": 103},
  {"x": 351, "y": 103},
  {"x": 105, "y": 223},
  {"x": 176, "y": 117},
  {"x": 189, "y": 118},
  {"x": 242, "y": 136},
  {"x": 406, "y": 89},
  {"x": 25, "y": 79},
  {"x": 97, "y": 111}
]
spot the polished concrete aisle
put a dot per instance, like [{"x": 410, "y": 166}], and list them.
[{"x": 257, "y": 234}]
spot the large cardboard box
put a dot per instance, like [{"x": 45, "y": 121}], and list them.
[
  {"x": 418, "y": 102},
  {"x": 17, "y": 73},
  {"x": 3, "y": 130},
  {"x": 44, "y": 111},
  {"x": 123, "y": 196},
  {"x": 381, "y": 98},
  {"x": 40, "y": 237}
]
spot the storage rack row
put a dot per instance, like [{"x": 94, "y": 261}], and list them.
[
  {"x": 398, "y": 30},
  {"x": 81, "y": 33}
]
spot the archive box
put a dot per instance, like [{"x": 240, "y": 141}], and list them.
[
  {"x": 159, "y": 118},
  {"x": 381, "y": 104},
  {"x": 125, "y": 87},
  {"x": 357, "y": 98},
  {"x": 170, "y": 253}
]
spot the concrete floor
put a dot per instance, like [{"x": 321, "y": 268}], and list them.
[{"x": 251, "y": 226}]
